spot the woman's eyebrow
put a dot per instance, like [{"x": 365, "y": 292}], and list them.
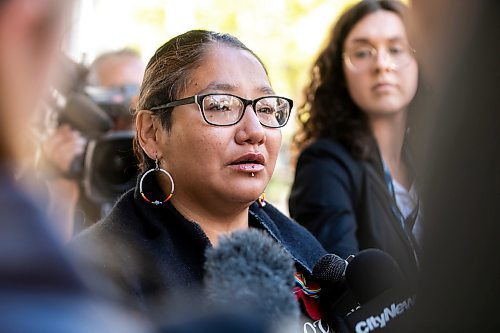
[
  {"x": 226, "y": 87},
  {"x": 362, "y": 40},
  {"x": 219, "y": 86},
  {"x": 267, "y": 90}
]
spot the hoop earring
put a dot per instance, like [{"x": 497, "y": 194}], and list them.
[
  {"x": 262, "y": 200},
  {"x": 157, "y": 168}
]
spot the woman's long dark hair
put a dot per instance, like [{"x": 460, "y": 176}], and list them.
[{"x": 328, "y": 110}]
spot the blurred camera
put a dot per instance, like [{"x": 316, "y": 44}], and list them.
[
  {"x": 108, "y": 167},
  {"x": 114, "y": 101}
]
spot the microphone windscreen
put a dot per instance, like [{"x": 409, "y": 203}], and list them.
[
  {"x": 372, "y": 272},
  {"x": 330, "y": 268},
  {"x": 84, "y": 115},
  {"x": 249, "y": 272}
]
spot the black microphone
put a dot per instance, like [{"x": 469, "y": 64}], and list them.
[
  {"x": 329, "y": 271},
  {"x": 335, "y": 298},
  {"x": 330, "y": 268},
  {"x": 249, "y": 272},
  {"x": 376, "y": 281},
  {"x": 372, "y": 272}
]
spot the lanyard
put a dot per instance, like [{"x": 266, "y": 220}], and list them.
[
  {"x": 406, "y": 223},
  {"x": 409, "y": 221}
]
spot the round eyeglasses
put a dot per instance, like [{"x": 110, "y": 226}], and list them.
[
  {"x": 227, "y": 109},
  {"x": 363, "y": 57}
]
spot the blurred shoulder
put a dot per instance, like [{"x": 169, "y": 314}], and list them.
[
  {"x": 120, "y": 222},
  {"x": 326, "y": 147},
  {"x": 326, "y": 158}
]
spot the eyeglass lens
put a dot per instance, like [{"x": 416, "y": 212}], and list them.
[
  {"x": 362, "y": 57},
  {"x": 227, "y": 110}
]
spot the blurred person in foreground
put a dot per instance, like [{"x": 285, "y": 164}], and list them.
[
  {"x": 40, "y": 290},
  {"x": 460, "y": 285},
  {"x": 355, "y": 186},
  {"x": 208, "y": 135},
  {"x": 117, "y": 74}
]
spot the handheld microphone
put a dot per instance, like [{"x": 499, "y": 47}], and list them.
[
  {"x": 335, "y": 298},
  {"x": 376, "y": 281},
  {"x": 372, "y": 272},
  {"x": 364, "y": 294},
  {"x": 330, "y": 268},
  {"x": 248, "y": 272}
]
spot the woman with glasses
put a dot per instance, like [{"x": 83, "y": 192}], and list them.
[
  {"x": 354, "y": 185},
  {"x": 207, "y": 137}
]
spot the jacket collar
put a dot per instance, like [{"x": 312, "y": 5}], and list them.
[
  {"x": 298, "y": 243},
  {"x": 285, "y": 231}
]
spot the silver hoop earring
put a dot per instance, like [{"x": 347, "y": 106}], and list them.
[{"x": 157, "y": 202}]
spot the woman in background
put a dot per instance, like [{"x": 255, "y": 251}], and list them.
[{"x": 354, "y": 184}]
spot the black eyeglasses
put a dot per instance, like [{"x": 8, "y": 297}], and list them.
[{"x": 227, "y": 109}]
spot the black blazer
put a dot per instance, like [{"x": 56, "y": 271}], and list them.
[
  {"x": 345, "y": 203},
  {"x": 153, "y": 254}
]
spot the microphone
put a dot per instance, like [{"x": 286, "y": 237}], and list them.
[
  {"x": 372, "y": 272},
  {"x": 336, "y": 300},
  {"x": 363, "y": 294},
  {"x": 376, "y": 281},
  {"x": 330, "y": 268},
  {"x": 249, "y": 272}
]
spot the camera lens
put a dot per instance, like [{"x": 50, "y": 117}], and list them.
[{"x": 110, "y": 166}]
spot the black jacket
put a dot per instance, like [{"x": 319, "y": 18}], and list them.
[
  {"x": 346, "y": 204},
  {"x": 153, "y": 254}
]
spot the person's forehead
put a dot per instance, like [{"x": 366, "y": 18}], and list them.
[
  {"x": 231, "y": 68},
  {"x": 120, "y": 70},
  {"x": 381, "y": 24}
]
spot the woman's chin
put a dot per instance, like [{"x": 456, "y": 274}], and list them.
[
  {"x": 247, "y": 196},
  {"x": 243, "y": 189}
]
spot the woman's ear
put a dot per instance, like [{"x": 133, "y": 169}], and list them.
[{"x": 147, "y": 125}]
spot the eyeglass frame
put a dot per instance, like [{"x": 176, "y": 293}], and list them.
[
  {"x": 348, "y": 61},
  {"x": 198, "y": 100}
]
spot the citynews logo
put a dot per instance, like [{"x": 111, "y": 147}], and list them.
[{"x": 374, "y": 322}]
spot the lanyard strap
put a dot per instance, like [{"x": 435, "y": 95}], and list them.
[{"x": 409, "y": 221}]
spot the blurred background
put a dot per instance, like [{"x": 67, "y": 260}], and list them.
[{"x": 286, "y": 34}]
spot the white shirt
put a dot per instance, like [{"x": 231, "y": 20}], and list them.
[{"x": 406, "y": 201}]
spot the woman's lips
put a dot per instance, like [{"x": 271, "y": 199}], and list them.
[
  {"x": 382, "y": 87},
  {"x": 249, "y": 162},
  {"x": 247, "y": 167}
]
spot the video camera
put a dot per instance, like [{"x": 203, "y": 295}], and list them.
[{"x": 108, "y": 167}]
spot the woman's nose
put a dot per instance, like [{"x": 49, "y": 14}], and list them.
[
  {"x": 250, "y": 130},
  {"x": 383, "y": 60}
]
